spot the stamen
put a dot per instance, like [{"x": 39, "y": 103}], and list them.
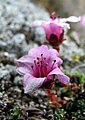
[
  {"x": 34, "y": 61},
  {"x": 46, "y": 64},
  {"x": 53, "y": 15},
  {"x": 41, "y": 66},
  {"x": 41, "y": 61},
  {"x": 35, "y": 67},
  {"x": 38, "y": 63},
  {"x": 39, "y": 70},
  {"x": 45, "y": 69},
  {"x": 53, "y": 64},
  {"x": 38, "y": 58}
]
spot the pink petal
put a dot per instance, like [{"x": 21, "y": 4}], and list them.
[
  {"x": 53, "y": 51},
  {"x": 55, "y": 56},
  {"x": 37, "y": 51},
  {"x": 61, "y": 76},
  {"x": 25, "y": 59},
  {"x": 47, "y": 30},
  {"x": 83, "y": 20},
  {"x": 73, "y": 19},
  {"x": 25, "y": 64},
  {"x": 31, "y": 83},
  {"x": 22, "y": 70},
  {"x": 56, "y": 29}
]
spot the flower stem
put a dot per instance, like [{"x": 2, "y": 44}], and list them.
[{"x": 53, "y": 97}]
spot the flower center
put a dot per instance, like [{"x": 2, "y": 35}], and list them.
[{"x": 41, "y": 68}]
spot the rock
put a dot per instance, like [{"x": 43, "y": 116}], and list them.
[
  {"x": 17, "y": 80},
  {"x": 7, "y": 58},
  {"x": 19, "y": 39},
  {"x": 18, "y": 17},
  {"x": 5, "y": 75},
  {"x": 11, "y": 69},
  {"x": 40, "y": 35},
  {"x": 3, "y": 45},
  {"x": 70, "y": 48}
]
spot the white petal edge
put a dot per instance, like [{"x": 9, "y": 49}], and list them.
[{"x": 31, "y": 83}]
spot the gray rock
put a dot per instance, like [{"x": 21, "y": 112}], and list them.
[
  {"x": 19, "y": 39},
  {"x": 40, "y": 35},
  {"x": 3, "y": 45},
  {"x": 18, "y": 16},
  {"x": 68, "y": 48},
  {"x": 5, "y": 75},
  {"x": 5, "y": 57},
  {"x": 17, "y": 80}
]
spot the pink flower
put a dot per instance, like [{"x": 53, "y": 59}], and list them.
[
  {"x": 39, "y": 68},
  {"x": 83, "y": 20},
  {"x": 63, "y": 22},
  {"x": 55, "y": 28},
  {"x": 54, "y": 33}
]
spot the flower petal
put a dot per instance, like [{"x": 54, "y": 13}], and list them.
[
  {"x": 25, "y": 60},
  {"x": 53, "y": 51},
  {"x": 47, "y": 30},
  {"x": 61, "y": 76},
  {"x": 25, "y": 64},
  {"x": 37, "y": 51},
  {"x": 22, "y": 70},
  {"x": 55, "y": 56},
  {"x": 31, "y": 83},
  {"x": 62, "y": 23},
  {"x": 73, "y": 19},
  {"x": 82, "y": 20}
]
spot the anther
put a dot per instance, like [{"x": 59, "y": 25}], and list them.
[
  {"x": 37, "y": 62},
  {"x": 32, "y": 66},
  {"x": 34, "y": 61},
  {"x": 41, "y": 54},
  {"x": 38, "y": 58},
  {"x": 54, "y": 60},
  {"x": 46, "y": 64},
  {"x": 44, "y": 58},
  {"x": 41, "y": 62}
]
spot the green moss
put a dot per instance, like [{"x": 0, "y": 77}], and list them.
[
  {"x": 77, "y": 74},
  {"x": 15, "y": 113},
  {"x": 60, "y": 114},
  {"x": 76, "y": 109}
]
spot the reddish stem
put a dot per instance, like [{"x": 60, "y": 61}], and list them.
[{"x": 52, "y": 97}]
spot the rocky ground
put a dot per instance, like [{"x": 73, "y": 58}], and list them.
[{"x": 17, "y": 36}]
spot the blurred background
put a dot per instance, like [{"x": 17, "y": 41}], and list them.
[{"x": 17, "y": 36}]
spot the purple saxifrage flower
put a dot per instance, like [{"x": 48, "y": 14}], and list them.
[
  {"x": 55, "y": 28},
  {"x": 39, "y": 68},
  {"x": 54, "y": 34}
]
